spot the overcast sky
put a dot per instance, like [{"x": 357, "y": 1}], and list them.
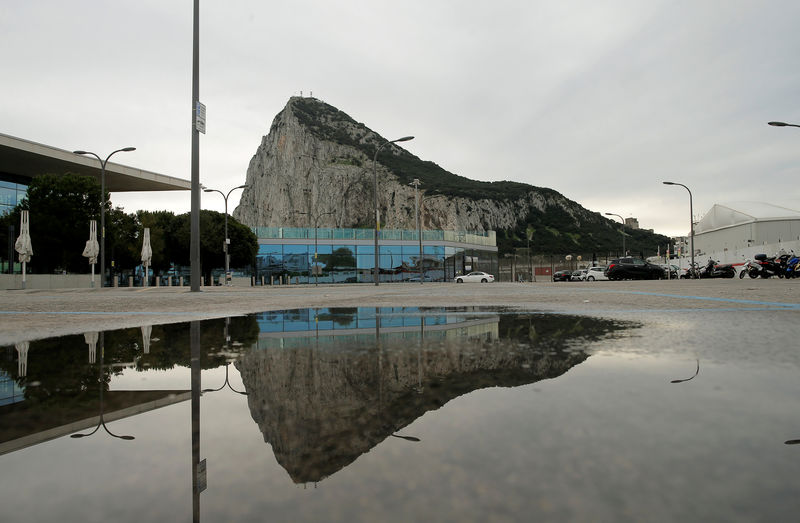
[{"x": 599, "y": 100}]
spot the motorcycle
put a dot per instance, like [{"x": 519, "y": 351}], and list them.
[
  {"x": 792, "y": 269},
  {"x": 751, "y": 268},
  {"x": 716, "y": 270},
  {"x": 769, "y": 267}
]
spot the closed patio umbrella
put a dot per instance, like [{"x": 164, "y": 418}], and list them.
[
  {"x": 22, "y": 365},
  {"x": 147, "y": 253},
  {"x": 92, "y": 248},
  {"x": 146, "y": 332},
  {"x": 91, "y": 340},
  {"x": 23, "y": 244}
]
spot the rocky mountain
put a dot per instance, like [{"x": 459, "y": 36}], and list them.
[{"x": 317, "y": 160}]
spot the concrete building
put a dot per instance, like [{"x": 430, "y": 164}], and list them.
[{"x": 22, "y": 160}]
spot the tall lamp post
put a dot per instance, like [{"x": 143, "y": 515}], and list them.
[
  {"x": 316, "y": 218},
  {"x": 416, "y": 183},
  {"x": 103, "y": 205},
  {"x": 622, "y": 230},
  {"x": 693, "y": 270},
  {"x": 227, "y": 240},
  {"x": 375, "y": 190}
]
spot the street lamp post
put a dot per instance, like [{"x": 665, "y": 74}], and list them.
[
  {"x": 375, "y": 190},
  {"x": 316, "y": 226},
  {"x": 416, "y": 183},
  {"x": 693, "y": 270},
  {"x": 103, "y": 205},
  {"x": 622, "y": 229},
  {"x": 225, "y": 246}
]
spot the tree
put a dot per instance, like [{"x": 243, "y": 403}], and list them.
[
  {"x": 243, "y": 248},
  {"x": 123, "y": 240},
  {"x": 60, "y": 210}
]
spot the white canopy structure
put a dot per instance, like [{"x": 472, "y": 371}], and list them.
[
  {"x": 723, "y": 215},
  {"x": 733, "y": 230}
]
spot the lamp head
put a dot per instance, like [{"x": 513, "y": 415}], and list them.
[
  {"x": 128, "y": 149},
  {"x": 669, "y": 183},
  {"x": 403, "y": 139},
  {"x": 777, "y": 124},
  {"x": 80, "y": 152}
]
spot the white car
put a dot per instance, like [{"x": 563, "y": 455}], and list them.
[
  {"x": 477, "y": 276},
  {"x": 595, "y": 273}
]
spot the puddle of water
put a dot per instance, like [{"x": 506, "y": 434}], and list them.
[{"x": 390, "y": 414}]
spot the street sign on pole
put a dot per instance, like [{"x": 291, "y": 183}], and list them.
[{"x": 200, "y": 118}]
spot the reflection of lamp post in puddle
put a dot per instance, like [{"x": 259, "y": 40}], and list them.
[
  {"x": 696, "y": 372},
  {"x": 101, "y": 422},
  {"x": 407, "y": 438},
  {"x": 228, "y": 383}
]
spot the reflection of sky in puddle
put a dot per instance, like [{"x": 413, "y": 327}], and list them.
[{"x": 518, "y": 416}]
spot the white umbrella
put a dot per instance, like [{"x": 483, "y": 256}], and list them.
[
  {"x": 147, "y": 253},
  {"x": 146, "y": 331},
  {"x": 91, "y": 340},
  {"x": 92, "y": 248},
  {"x": 23, "y": 245},
  {"x": 22, "y": 365}
]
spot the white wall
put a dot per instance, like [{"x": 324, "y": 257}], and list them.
[{"x": 48, "y": 281}]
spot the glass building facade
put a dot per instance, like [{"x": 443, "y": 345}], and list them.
[
  {"x": 12, "y": 191},
  {"x": 306, "y": 255}
]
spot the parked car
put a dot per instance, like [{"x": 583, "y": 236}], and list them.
[
  {"x": 633, "y": 269},
  {"x": 562, "y": 275},
  {"x": 578, "y": 275},
  {"x": 475, "y": 276},
  {"x": 596, "y": 273}
]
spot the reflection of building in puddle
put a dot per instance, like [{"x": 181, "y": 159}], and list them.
[
  {"x": 323, "y": 398},
  {"x": 358, "y": 326}
]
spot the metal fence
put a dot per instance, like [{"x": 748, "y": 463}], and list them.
[{"x": 520, "y": 266}]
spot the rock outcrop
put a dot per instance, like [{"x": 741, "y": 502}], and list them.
[{"x": 316, "y": 159}]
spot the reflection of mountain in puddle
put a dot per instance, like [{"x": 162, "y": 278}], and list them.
[{"x": 323, "y": 400}]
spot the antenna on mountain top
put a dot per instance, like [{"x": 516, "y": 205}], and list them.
[
  {"x": 301, "y": 94},
  {"x": 311, "y": 94}
]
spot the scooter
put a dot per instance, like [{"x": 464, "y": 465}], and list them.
[
  {"x": 751, "y": 268},
  {"x": 716, "y": 270}
]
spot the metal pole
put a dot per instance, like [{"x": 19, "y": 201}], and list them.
[
  {"x": 416, "y": 184},
  {"x": 375, "y": 191},
  {"x": 226, "y": 243},
  {"x": 103, "y": 205},
  {"x": 622, "y": 229},
  {"x": 225, "y": 247},
  {"x": 692, "y": 269},
  {"x": 194, "y": 244},
  {"x": 314, "y": 266}
]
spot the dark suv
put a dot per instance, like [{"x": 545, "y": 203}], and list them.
[{"x": 633, "y": 269}]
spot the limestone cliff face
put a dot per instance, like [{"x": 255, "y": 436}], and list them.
[{"x": 318, "y": 160}]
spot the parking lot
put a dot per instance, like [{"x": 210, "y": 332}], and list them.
[{"x": 34, "y": 314}]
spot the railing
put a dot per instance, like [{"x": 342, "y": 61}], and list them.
[{"x": 488, "y": 238}]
